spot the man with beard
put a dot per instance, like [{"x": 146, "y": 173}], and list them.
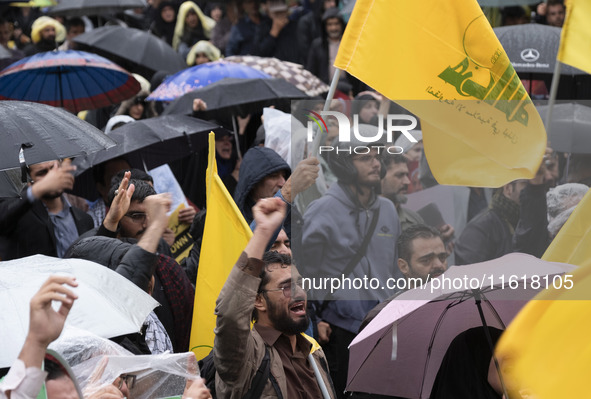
[
  {"x": 395, "y": 186},
  {"x": 268, "y": 288},
  {"x": 422, "y": 257},
  {"x": 46, "y": 32},
  {"x": 323, "y": 50},
  {"x": 335, "y": 228},
  {"x": 42, "y": 221}
]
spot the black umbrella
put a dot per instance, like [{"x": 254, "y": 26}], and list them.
[
  {"x": 11, "y": 184},
  {"x": 133, "y": 49},
  {"x": 532, "y": 48},
  {"x": 237, "y": 96},
  {"x": 79, "y": 8},
  {"x": 570, "y": 127},
  {"x": 146, "y": 144},
  {"x": 44, "y": 133}
]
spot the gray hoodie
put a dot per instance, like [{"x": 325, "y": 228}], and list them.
[{"x": 334, "y": 228}]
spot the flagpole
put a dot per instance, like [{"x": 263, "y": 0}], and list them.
[
  {"x": 318, "y": 189},
  {"x": 329, "y": 97},
  {"x": 553, "y": 91}
]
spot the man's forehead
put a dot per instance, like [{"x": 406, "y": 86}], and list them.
[
  {"x": 279, "y": 272},
  {"x": 398, "y": 167},
  {"x": 136, "y": 206},
  {"x": 424, "y": 246},
  {"x": 40, "y": 166}
]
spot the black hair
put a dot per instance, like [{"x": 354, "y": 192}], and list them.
[
  {"x": 136, "y": 174},
  {"x": 141, "y": 192},
  {"x": 270, "y": 258},
  {"x": 98, "y": 171},
  {"x": 74, "y": 21},
  {"x": 415, "y": 231},
  {"x": 555, "y": 3},
  {"x": 390, "y": 159},
  {"x": 54, "y": 370},
  {"x": 513, "y": 12}
]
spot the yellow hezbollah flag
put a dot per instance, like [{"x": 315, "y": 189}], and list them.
[
  {"x": 224, "y": 237},
  {"x": 546, "y": 348},
  {"x": 442, "y": 61},
  {"x": 576, "y": 35}
]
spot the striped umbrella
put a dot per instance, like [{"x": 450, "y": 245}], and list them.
[{"x": 74, "y": 80}]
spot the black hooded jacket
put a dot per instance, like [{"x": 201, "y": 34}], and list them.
[{"x": 258, "y": 163}]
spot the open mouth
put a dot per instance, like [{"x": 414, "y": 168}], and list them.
[{"x": 298, "y": 308}]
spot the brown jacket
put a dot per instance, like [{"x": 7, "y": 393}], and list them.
[{"x": 239, "y": 350}]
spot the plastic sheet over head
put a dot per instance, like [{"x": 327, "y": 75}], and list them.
[
  {"x": 285, "y": 136},
  {"x": 98, "y": 362},
  {"x": 561, "y": 198}
]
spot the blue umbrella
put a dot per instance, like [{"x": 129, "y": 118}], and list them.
[
  {"x": 74, "y": 80},
  {"x": 202, "y": 75}
]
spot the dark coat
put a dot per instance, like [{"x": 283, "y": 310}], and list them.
[
  {"x": 316, "y": 60},
  {"x": 258, "y": 162},
  {"x": 172, "y": 289},
  {"x": 131, "y": 261},
  {"x": 30, "y": 230},
  {"x": 487, "y": 236},
  {"x": 283, "y": 47}
]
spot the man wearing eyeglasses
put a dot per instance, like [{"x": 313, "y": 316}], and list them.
[
  {"x": 42, "y": 221},
  {"x": 268, "y": 288}
]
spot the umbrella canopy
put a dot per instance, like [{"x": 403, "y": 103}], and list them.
[
  {"x": 74, "y": 80},
  {"x": 135, "y": 50},
  {"x": 570, "y": 127},
  {"x": 46, "y": 133},
  {"x": 200, "y": 76},
  {"x": 293, "y": 73},
  {"x": 240, "y": 96},
  {"x": 532, "y": 48},
  {"x": 109, "y": 305},
  {"x": 147, "y": 143},
  {"x": 417, "y": 327},
  {"x": 11, "y": 184},
  {"x": 79, "y": 8}
]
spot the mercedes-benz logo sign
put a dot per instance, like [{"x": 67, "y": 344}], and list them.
[{"x": 530, "y": 55}]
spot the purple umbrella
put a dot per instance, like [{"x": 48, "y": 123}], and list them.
[{"x": 400, "y": 351}]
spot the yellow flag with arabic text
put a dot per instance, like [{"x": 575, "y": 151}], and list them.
[
  {"x": 442, "y": 61},
  {"x": 546, "y": 347},
  {"x": 224, "y": 238},
  {"x": 576, "y": 35}
]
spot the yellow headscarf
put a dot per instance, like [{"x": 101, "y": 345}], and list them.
[
  {"x": 203, "y": 46},
  {"x": 206, "y": 22},
  {"x": 43, "y": 22}
]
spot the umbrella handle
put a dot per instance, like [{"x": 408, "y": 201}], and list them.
[
  {"x": 490, "y": 344},
  {"x": 22, "y": 161},
  {"x": 235, "y": 126}
]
